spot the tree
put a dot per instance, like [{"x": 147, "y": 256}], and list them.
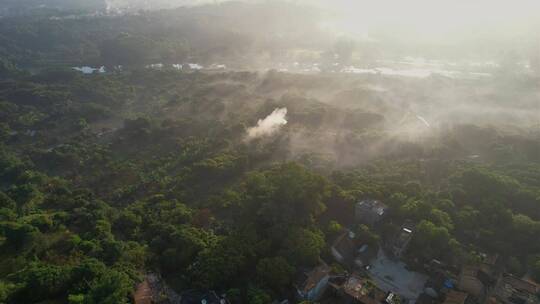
[
  {"x": 19, "y": 236},
  {"x": 138, "y": 128},
  {"x": 515, "y": 267},
  {"x": 258, "y": 296},
  {"x": 334, "y": 228},
  {"x": 5, "y": 132},
  {"x": 41, "y": 282},
  {"x": 182, "y": 246},
  {"x": 6, "y": 290},
  {"x": 525, "y": 233},
  {"x": 304, "y": 246},
  {"x": 275, "y": 272},
  {"x": 218, "y": 265},
  {"x": 6, "y": 201},
  {"x": 126, "y": 49},
  {"x": 111, "y": 288},
  {"x": 128, "y": 222},
  {"x": 430, "y": 240},
  {"x": 8, "y": 69},
  {"x": 536, "y": 270},
  {"x": 467, "y": 219},
  {"x": 27, "y": 196},
  {"x": 87, "y": 271},
  {"x": 441, "y": 218},
  {"x": 367, "y": 236},
  {"x": 413, "y": 188},
  {"x": 76, "y": 299},
  {"x": 286, "y": 195},
  {"x": 482, "y": 184},
  {"x": 416, "y": 209},
  {"x": 397, "y": 200},
  {"x": 446, "y": 205}
]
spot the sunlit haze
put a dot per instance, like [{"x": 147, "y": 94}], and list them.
[
  {"x": 436, "y": 20},
  {"x": 270, "y": 151}
]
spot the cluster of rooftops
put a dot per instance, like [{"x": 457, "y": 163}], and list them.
[{"x": 380, "y": 276}]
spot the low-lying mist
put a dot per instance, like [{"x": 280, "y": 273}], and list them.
[
  {"x": 348, "y": 80},
  {"x": 345, "y": 120}
]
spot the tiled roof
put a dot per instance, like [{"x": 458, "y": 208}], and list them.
[
  {"x": 315, "y": 276},
  {"x": 455, "y": 297}
]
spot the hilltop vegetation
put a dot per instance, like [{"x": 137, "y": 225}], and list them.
[
  {"x": 107, "y": 177},
  {"x": 205, "y": 34}
]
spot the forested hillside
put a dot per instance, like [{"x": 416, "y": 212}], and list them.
[
  {"x": 206, "y": 34},
  {"x": 109, "y": 178}
]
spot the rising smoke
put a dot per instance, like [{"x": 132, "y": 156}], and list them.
[{"x": 268, "y": 126}]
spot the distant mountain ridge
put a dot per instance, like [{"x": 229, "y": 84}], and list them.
[
  {"x": 17, "y": 7},
  {"x": 156, "y": 4}
]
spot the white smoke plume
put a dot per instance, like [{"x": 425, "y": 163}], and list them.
[
  {"x": 268, "y": 126},
  {"x": 424, "y": 121}
]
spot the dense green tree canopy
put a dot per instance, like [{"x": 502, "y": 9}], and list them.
[{"x": 109, "y": 177}]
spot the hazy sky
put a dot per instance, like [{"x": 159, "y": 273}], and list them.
[
  {"x": 441, "y": 21},
  {"x": 428, "y": 19},
  {"x": 434, "y": 18},
  {"x": 420, "y": 14}
]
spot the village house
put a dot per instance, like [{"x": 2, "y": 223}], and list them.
[
  {"x": 369, "y": 212},
  {"x": 456, "y": 297},
  {"x": 155, "y": 290},
  {"x": 344, "y": 247},
  {"x": 357, "y": 290},
  {"x": 473, "y": 281},
  {"x": 312, "y": 284},
  {"x": 512, "y": 290},
  {"x": 427, "y": 299},
  {"x": 351, "y": 251},
  {"x": 361, "y": 291},
  {"x": 478, "y": 280},
  {"x": 208, "y": 297},
  {"x": 438, "y": 284}
]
